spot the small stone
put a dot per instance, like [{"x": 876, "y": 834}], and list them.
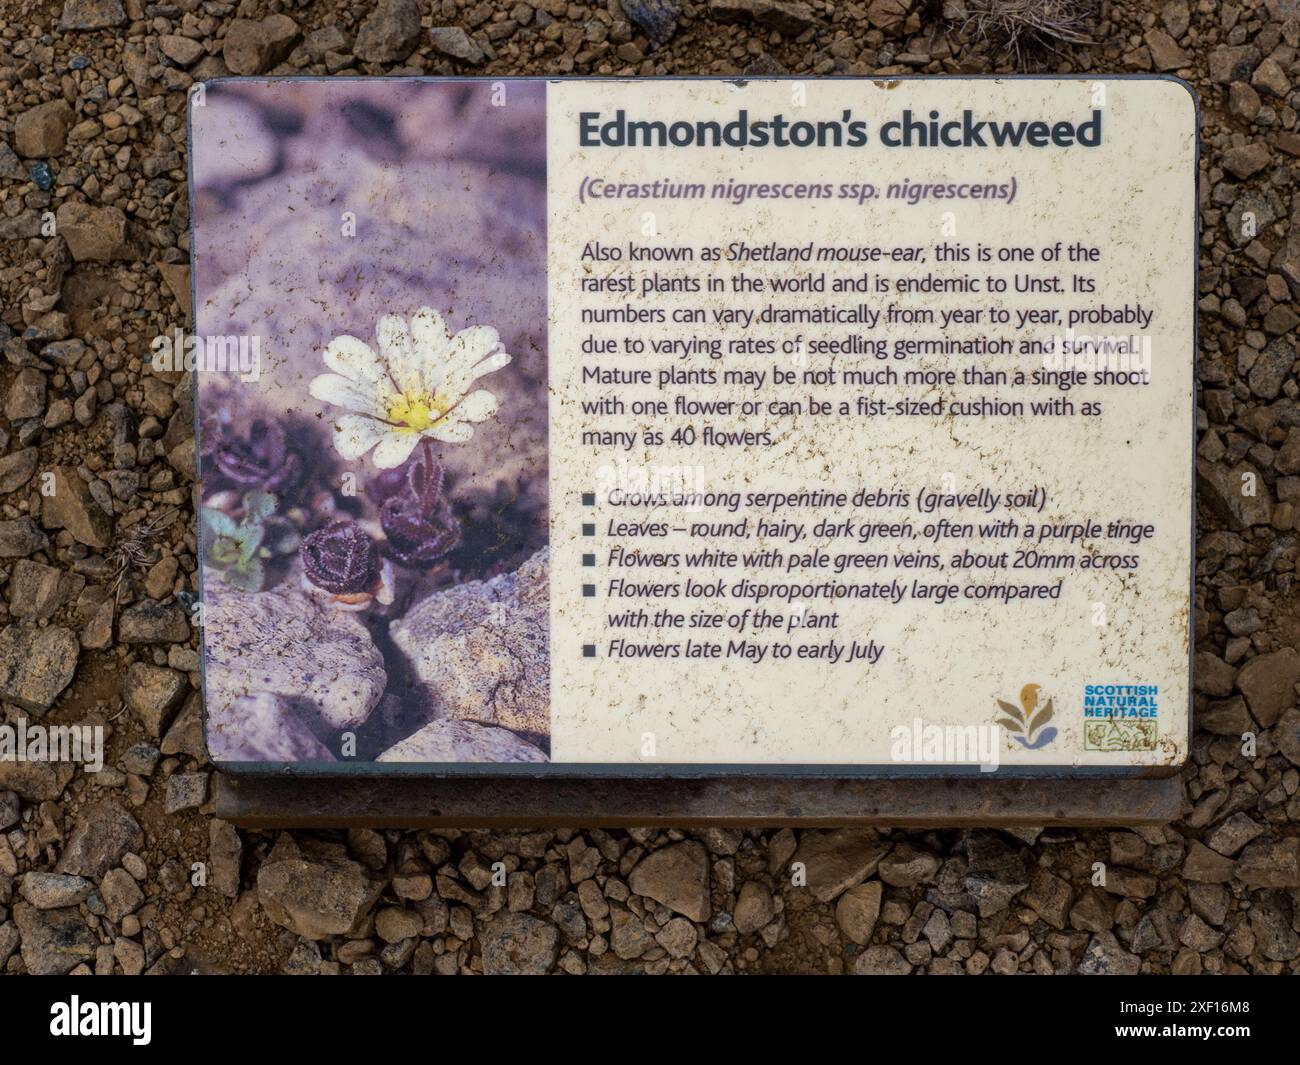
[
  {"x": 1243, "y": 101},
  {"x": 16, "y": 469},
  {"x": 858, "y": 910},
  {"x": 1049, "y": 896},
  {"x": 38, "y": 591},
  {"x": 907, "y": 866},
  {"x": 316, "y": 897},
  {"x": 678, "y": 937},
  {"x": 1221, "y": 488},
  {"x": 754, "y": 908},
  {"x": 1214, "y": 676},
  {"x": 305, "y": 960},
  {"x": 789, "y": 18},
  {"x": 26, "y": 396},
  {"x": 1270, "y": 77},
  {"x": 186, "y": 791},
  {"x": 1227, "y": 718},
  {"x": 881, "y": 961},
  {"x": 183, "y": 51},
  {"x": 101, "y": 836},
  {"x": 1230, "y": 63},
  {"x": 628, "y": 937},
  {"x": 153, "y": 693},
  {"x": 390, "y": 33},
  {"x": 1268, "y": 683},
  {"x": 1286, "y": 734},
  {"x": 888, "y": 15},
  {"x": 1199, "y": 936},
  {"x": 98, "y": 631},
  {"x": 54, "y": 942},
  {"x": 1165, "y": 53},
  {"x": 336, "y": 671},
  {"x": 9, "y": 810},
  {"x": 658, "y": 18},
  {"x": 225, "y": 851},
  {"x": 835, "y": 861},
  {"x": 1275, "y": 936},
  {"x": 677, "y": 876},
  {"x": 1206, "y": 866},
  {"x": 94, "y": 234},
  {"x": 42, "y": 131},
  {"x": 1271, "y": 369},
  {"x": 121, "y": 894},
  {"x": 50, "y": 891},
  {"x": 149, "y": 621},
  {"x": 1270, "y": 864},
  {"x": 71, "y": 506},
  {"x": 1105, "y": 957},
  {"x": 21, "y": 537},
  {"x": 36, "y": 664},
  {"x": 416, "y": 887},
  {"x": 515, "y": 944},
  {"x": 141, "y": 759},
  {"x": 393, "y": 925},
  {"x": 1228, "y": 837},
  {"x": 254, "y": 47},
  {"x": 130, "y": 955},
  {"x": 92, "y": 15},
  {"x": 455, "y": 43}
]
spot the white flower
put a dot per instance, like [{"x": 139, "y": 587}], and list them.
[{"x": 417, "y": 386}]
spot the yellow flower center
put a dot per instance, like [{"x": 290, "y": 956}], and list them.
[{"x": 416, "y": 411}]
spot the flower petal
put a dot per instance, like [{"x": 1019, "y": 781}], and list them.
[
  {"x": 397, "y": 350},
  {"x": 476, "y": 407},
  {"x": 355, "y": 434},
  {"x": 463, "y": 374},
  {"x": 450, "y": 431},
  {"x": 463, "y": 351},
  {"x": 354, "y": 359},
  {"x": 364, "y": 398},
  {"x": 429, "y": 332},
  {"x": 395, "y": 448}
]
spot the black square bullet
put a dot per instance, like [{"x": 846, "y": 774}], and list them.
[
  {"x": 588, "y": 590},
  {"x": 588, "y": 650},
  {"x": 588, "y": 528},
  {"x": 588, "y": 499},
  {"x": 588, "y": 560}
]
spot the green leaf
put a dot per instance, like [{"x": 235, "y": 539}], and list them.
[
  {"x": 1010, "y": 726},
  {"x": 218, "y": 522},
  {"x": 225, "y": 552},
  {"x": 249, "y": 538},
  {"x": 1042, "y": 717},
  {"x": 1011, "y": 709},
  {"x": 259, "y": 506}
]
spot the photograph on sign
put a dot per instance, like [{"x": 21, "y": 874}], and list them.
[{"x": 806, "y": 427}]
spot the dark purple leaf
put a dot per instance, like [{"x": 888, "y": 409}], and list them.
[
  {"x": 260, "y": 460},
  {"x": 341, "y": 558},
  {"x": 417, "y": 520}
]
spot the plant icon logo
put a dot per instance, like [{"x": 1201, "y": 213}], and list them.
[{"x": 1024, "y": 724}]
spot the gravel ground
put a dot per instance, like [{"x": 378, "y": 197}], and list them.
[{"x": 127, "y": 870}]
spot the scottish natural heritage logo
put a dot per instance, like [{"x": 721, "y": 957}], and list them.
[
  {"x": 1121, "y": 717},
  {"x": 1025, "y": 722}
]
